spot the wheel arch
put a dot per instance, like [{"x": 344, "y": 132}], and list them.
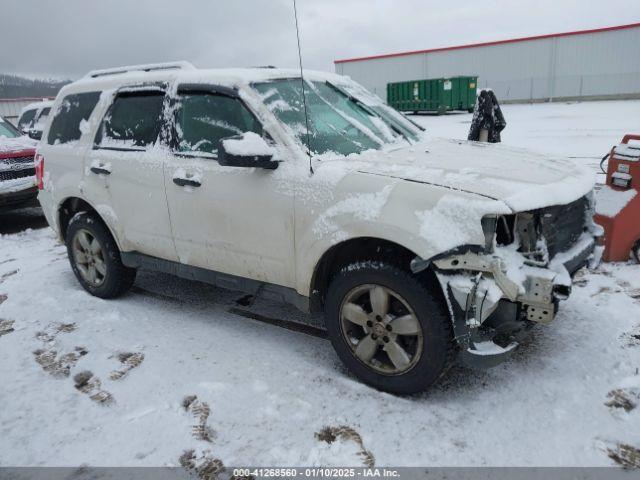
[
  {"x": 70, "y": 206},
  {"x": 359, "y": 249}
]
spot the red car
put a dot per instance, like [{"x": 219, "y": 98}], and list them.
[{"x": 17, "y": 168}]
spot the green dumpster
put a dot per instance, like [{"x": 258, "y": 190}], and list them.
[{"x": 433, "y": 95}]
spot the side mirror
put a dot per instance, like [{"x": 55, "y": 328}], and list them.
[
  {"x": 35, "y": 134},
  {"x": 246, "y": 150}
]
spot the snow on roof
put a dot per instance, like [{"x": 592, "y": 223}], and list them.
[
  {"x": 26, "y": 99},
  {"x": 34, "y": 105},
  {"x": 610, "y": 202},
  {"x": 156, "y": 73},
  {"x": 628, "y": 151},
  {"x": 148, "y": 67}
]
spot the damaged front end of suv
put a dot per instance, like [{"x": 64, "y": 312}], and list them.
[{"x": 498, "y": 292}]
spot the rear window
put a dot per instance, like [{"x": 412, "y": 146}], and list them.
[
  {"x": 133, "y": 121},
  {"x": 74, "y": 110},
  {"x": 26, "y": 118}
]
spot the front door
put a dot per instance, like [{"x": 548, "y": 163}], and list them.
[
  {"x": 229, "y": 219},
  {"x": 127, "y": 159}
]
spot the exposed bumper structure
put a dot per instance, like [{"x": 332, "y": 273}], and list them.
[{"x": 494, "y": 303}]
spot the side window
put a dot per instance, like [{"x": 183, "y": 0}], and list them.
[
  {"x": 203, "y": 119},
  {"x": 133, "y": 121},
  {"x": 44, "y": 113},
  {"x": 75, "y": 109},
  {"x": 41, "y": 119},
  {"x": 26, "y": 118}
]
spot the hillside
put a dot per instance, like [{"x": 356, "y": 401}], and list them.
[{"x": 13, "y": 86}]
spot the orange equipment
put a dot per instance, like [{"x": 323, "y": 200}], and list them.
[{"x": 618, "y": 202}]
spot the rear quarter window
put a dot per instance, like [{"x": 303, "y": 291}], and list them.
[{"x": 75, "y": 109}]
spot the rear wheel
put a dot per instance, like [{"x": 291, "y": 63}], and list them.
[
  {"x": 95, "y": 258},
  {"x": 388, "y": 328}
]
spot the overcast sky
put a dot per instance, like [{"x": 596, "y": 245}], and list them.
[{"x": 66, "y": 38}]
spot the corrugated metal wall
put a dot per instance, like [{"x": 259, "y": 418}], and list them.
[
  {"x": 592, "y": 65},
  {"x": 10, "y": 108}
]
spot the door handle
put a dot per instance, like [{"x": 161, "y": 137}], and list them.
[
  {"x": 101, "y": 171},
  {"x": 186, "y": 182}
]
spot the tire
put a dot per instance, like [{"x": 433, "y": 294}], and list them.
[
  {"x": 636, "y": 251},
  {"x": 431, "y": 350},
  {"x": 91, "y": 248}
]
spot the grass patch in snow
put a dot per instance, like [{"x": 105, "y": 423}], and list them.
[
  {"x": 622, "y": 398},
  {"x": 201, "y": 411},
  {"x": 6, "y": 326},
  {"x": 129, "y": 361},
  {"x": 86, "y": 383},
  {"x": 345, "y": 433},
  {"x": 204, "y": 466},
  {"x": 625, "y": 455}
]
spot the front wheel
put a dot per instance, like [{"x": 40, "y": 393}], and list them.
[
  {"x": 95, "y": 258},
  {"x": 388, "y": 328}
]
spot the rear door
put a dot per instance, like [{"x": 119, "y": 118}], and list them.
[
  {"x": 65, "y": 148},
  {"x": 128, "y": 159}
]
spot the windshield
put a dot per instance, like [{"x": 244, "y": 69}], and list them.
[
  {"x": 337, "y": 123},
  {"x": 8, "y": 130}
]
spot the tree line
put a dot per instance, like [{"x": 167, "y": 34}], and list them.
[{"x": 14, "y": 86}]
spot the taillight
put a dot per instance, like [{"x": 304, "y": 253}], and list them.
[{"x": 39, "y": 161}]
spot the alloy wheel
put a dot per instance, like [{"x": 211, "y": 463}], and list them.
[
  {"x": 89, "y": 258},
  {"x": 381, "y": 329}
]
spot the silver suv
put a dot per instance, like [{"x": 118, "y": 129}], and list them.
[{"x": 419, "y": 251}]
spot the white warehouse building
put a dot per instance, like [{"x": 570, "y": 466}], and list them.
[{"x": 589, "y": 64}]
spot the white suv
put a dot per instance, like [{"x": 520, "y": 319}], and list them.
[
  {"x": 33, "y": 118},
  {"x": 418, "y": 251}
]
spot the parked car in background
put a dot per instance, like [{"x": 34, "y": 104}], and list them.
[
  {"x": 17, "y": 169},
  {"x": 418, "y": 250},
  {"x": 33, "y": 117}
]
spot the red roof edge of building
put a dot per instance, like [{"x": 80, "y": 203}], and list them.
[{"x": 488, "y": 44}]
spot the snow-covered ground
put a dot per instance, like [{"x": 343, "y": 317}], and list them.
[
  {"x": 584, "y": 131},
  {"x": 264, "y": 392}
]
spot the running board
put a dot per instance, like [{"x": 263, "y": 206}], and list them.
[{"x": 268, "y": 291}]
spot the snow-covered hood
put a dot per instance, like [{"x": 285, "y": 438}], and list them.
[
  {"x": 522, "y": 179},
  {"x": 18, "y": 144}
]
